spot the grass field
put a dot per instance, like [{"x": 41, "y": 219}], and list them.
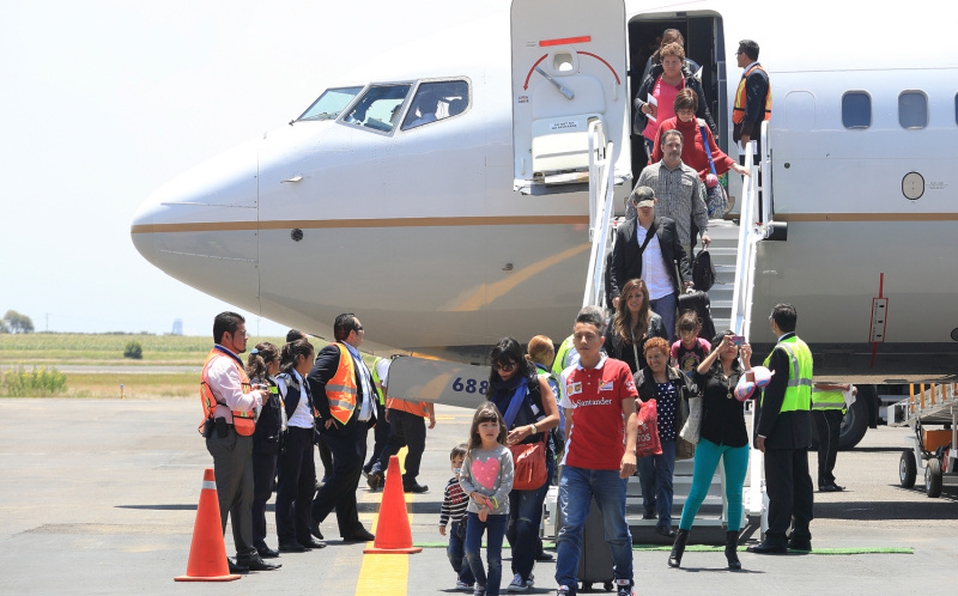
[
  {"x": 35, "y": 350},
  {"x": 79, "y": 348}
]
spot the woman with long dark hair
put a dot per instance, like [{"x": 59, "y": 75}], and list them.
[
  {"x": 632, "y": 324},
  {"x": 297, "y": 469},
  {"x": 722, "y": 435},
  {"x": 261, "y": 367},
  {"x": 529, "y": 411}
]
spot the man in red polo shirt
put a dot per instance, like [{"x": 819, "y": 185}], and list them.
[{"x": 598, "y": 395}]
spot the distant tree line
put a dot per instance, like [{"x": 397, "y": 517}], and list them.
[{"x": 14, "y": 322}]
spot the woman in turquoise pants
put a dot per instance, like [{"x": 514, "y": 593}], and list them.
[{"x": 723, "y": 435}]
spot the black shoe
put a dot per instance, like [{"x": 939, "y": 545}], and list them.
[
  {"x": 678, "y": 549},
  {"x": 664, "y": 531},
  {"x": 267, "y": 553},
  {"x": 830, "y": 488},
  {"x": 311, "y": 543},
  {"x": 255, "y": 563},
  {"x": 731, "y": 550},
  {"x": 236, "y": 568},
  {"x": 768, "y": 548},
  {"x": 649, "y": 515},
  {"x": 363, "y": 535},
  {"x": 802, "y": 545},
  {"x": 291, "y": 547},
  {"x": 415, "y": 487},
  {"x": 314, "y": 530},
  {"x": 543, "y": 556}
]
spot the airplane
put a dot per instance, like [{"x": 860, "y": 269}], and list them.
[{"x": 441, "y": 192}]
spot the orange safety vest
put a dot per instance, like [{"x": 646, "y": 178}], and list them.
[
  {"x": 738, "y": 110},
  {"x": 341, "y": 389},
  {"x": 244, "y": 422}
]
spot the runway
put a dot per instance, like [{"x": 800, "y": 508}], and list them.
[{"x": 99, "y": 497}]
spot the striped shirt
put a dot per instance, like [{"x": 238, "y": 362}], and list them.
[
  {"x": 454, "y": 503},
  {"x": 681, "y": 197}
]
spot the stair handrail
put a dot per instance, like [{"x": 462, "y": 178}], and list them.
[{"x": 601, "y": 191}]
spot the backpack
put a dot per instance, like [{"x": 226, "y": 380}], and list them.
[{"x": 703, "y": 272}]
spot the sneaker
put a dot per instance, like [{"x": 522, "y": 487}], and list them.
[
  {"x": 624, "y": 587},
  {"x": 480, "y": 590},
  {"x": 563, "y": 591},
  {"x": 463, "y": 586},
  {"x": 521, "y": 585}
]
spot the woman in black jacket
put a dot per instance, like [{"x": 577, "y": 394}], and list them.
[
  {"x": 261, "y": 367},
  {"x": 632, "y": 324},
  {"x": 722, "y": 435},
  {"x": 665, "y": 80}
]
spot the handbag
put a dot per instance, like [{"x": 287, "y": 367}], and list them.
[
  {"x": 703, "y": 271},
  {"x": 691, "y": 430},
  {"x": 716, "y": 197},
  {"x": 647, "y": 438},
  {"x": 529, "y": 460}
]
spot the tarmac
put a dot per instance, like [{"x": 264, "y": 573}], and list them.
[{"x": 100, "y": 497}]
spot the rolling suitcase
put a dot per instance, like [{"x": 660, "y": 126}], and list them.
[{"x": 595, "y": 566}]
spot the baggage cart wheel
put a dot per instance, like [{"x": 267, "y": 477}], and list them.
[
  {"x": 608, "y": 586},
  {"x": 906, "y": 469},
  {"x": 933, "y": 478}
]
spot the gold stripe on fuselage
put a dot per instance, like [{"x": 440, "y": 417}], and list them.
[{"x": 398, "y": 222}]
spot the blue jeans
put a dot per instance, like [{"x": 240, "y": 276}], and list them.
[
  {"x": 735, "y": 460},
  {"x": 457, "y": 553},
  {"x": 665, "y": 308},
  {"x": 525, "y": 516},
  {"x": 577, "y": 487},
  {"x": 495, "y": 528},
  {"x": 655, "y": 478}
]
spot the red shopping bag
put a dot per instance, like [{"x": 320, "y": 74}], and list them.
[{"x": 647, "y": 440}]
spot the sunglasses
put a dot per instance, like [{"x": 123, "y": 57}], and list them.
[{"x": 505, "y": 366}]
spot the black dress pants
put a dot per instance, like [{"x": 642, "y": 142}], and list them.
[
  {"x": 790, "y": 494},
  {"x": 348, "y": 447}
]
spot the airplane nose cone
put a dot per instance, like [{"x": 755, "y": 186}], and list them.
[{"x": 201, "y": 227}]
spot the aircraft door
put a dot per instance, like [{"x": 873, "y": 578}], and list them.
[{"x": 568, "y": 73}]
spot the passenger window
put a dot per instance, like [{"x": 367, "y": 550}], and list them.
[
  {"x": 913, "y": 110},
  {"x": 856, "y": 110},
  {"x": 437, "y": 101},
  {"x": 330, "y": 104},
  {"x": 379, "y": 107}
]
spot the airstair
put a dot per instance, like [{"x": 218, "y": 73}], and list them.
[{"x": 733, "y": 252}]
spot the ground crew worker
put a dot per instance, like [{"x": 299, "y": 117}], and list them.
[
  {"x": 828, "y": 410},
  {"x": 783, "y": 434},
  {"x": 229, "y": 403}
]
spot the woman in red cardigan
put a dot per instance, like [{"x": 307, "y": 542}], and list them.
[{"x": 693, "y": 146}]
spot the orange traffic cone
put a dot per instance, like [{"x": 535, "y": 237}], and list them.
[
  {"x": 208, "y": 551},
  {"x": 392, "y": 531}
]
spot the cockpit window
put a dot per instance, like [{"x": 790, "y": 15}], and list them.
[
  {"x": 330, "y": 104},
  {"x": 437, "y": 101},
  {"x": 379, "y": 107}
]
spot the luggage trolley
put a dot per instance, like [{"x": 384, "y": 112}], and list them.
[{"x": 933, "y": 450}]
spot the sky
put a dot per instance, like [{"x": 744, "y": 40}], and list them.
[{"x": 103, "y": 101}]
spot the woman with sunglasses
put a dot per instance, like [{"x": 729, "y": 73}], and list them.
[{"x": 529, "y": 411}]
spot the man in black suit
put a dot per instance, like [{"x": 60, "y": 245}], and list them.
[
  {"x": 648, "y": 247},
  {"x": 783, "y": 433},
  {"x": 341, "y": 386}
]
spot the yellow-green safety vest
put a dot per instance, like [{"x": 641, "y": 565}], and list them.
[
  {"x": 827, "y": 400},
  {"x": 798, "y": 392}
]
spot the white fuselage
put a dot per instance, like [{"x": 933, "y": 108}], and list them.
[{"x": 420, "y": 233}]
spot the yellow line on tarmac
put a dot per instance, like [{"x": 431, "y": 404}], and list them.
[{"x": 385, "y": 574}]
